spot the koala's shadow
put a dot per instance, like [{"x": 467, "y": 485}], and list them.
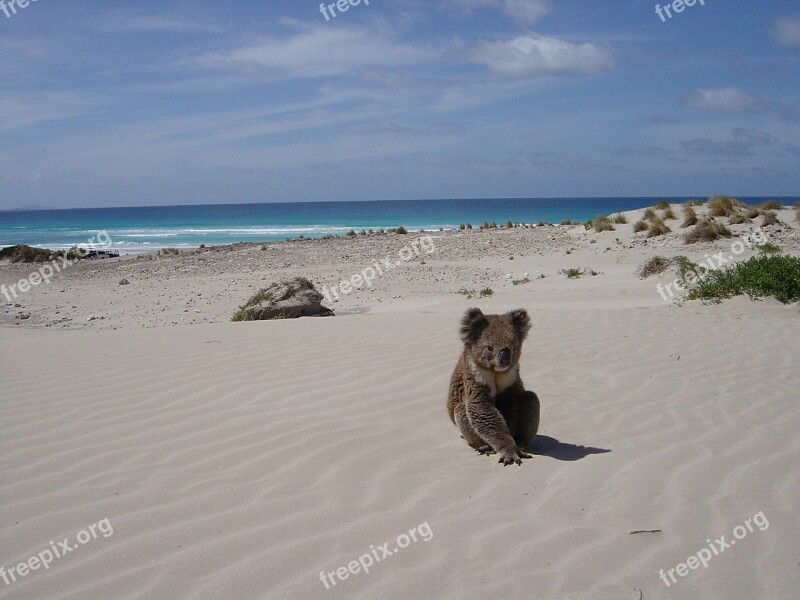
[{"x": 544, "y": 445}]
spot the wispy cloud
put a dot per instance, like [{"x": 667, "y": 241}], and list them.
[
  {"x": 533, "y": 55},
  {"x": 320, "y": 51},
  {"x": 729, "y": 99},
  {"x": 786, "y": 31}
]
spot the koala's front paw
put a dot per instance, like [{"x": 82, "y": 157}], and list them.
[
  {"x": 485, "y": 449},
  {"x": 514, "y": 456}
]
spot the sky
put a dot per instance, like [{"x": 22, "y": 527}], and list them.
[{"x": 131, "y": 103}]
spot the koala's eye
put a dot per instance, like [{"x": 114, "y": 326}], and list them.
[{"x": 490, "y": 348}]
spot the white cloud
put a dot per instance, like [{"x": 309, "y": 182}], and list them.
[
  {"x": 535, "y": 55},
  {"x": 729, "y": 99},
  {"x": 787, "y": 31},
  {"x": 527, "y": 11},
  {"x": 321, "y": 51}
]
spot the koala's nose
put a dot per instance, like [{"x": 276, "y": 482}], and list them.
[{"x": 505, "y": 355}]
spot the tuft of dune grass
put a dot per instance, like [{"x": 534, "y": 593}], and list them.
[
  {"x": 653, "y": 266},
  {"x": 739, "y": 218},
  {"x": 689, "y": 216},
  {"x": 603, "y": 223},
  {"x": 657, "y": 227},
  {"x": 642, "y": 226},
  {"x": 769, "y": 218},
  {"x": 706, "y": 230},
  {"x": 770, "y": 205},
  {"x": 723, "y": 206}
]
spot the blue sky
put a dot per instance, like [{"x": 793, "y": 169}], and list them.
[{"x": 139, "y": 103}]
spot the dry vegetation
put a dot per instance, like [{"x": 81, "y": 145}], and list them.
[
  {"x": 603, "y": 223},
  {"x": 770, "y": 205},
  {"x": 770, "y": 218},
  {"x": 657, "y": 227},
  {"x": 689, "y": 216},
  {"x": 723, "y": 206},
  {"x": 706, "y": 230}
]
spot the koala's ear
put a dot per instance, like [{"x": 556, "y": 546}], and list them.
[
  {"x": 472, "y": 325},
  {"x": 521, "y": 322}
]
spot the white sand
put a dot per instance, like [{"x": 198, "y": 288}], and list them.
[{"x": 238, "y": 460}]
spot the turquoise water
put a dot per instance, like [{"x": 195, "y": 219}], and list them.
[{"x": 145, "y": 229}]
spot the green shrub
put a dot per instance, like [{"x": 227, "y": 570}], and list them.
[
  {"x": 620, "y": 219},
  {"x": 522, "y": 281},
  {"x": 668, "y": 215},
  {"x": 769, "y": 248},
  {"x": 572, "y": 273},
  {"x": 486, "y": 292},
  {"x": 688, "y": 271},
  {"x": 27, "y": 254},
  {"x": 759, "y": 277}
]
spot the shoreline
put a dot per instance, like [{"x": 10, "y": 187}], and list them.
[{"x": 207, "y": 285}]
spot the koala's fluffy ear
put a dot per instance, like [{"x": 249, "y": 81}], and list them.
[
  {"x": 472, "y": 325},
  {"x": 521, "y": 322}
]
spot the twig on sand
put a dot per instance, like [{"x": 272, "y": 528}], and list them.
[{"x": 646, "y": 531}]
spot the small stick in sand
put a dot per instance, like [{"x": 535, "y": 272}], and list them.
[{"x": 646, "y": 531}]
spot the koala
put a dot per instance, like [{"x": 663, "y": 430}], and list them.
[{"x": 487, "y": 400}]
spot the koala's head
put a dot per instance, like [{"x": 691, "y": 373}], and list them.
[{"x": 494, "y": 342}]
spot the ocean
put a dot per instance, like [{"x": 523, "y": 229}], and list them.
[{"x": 147, "y": 229}]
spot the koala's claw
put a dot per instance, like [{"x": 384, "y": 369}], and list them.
[
  {"x": 484, "y": 450},
  {"x": 506, "y": 460}
]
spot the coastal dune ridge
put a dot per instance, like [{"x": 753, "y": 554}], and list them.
[{"x": 256, "y": 459}]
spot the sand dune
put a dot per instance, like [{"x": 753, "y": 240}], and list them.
[{"x": 241, "y": 460}]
